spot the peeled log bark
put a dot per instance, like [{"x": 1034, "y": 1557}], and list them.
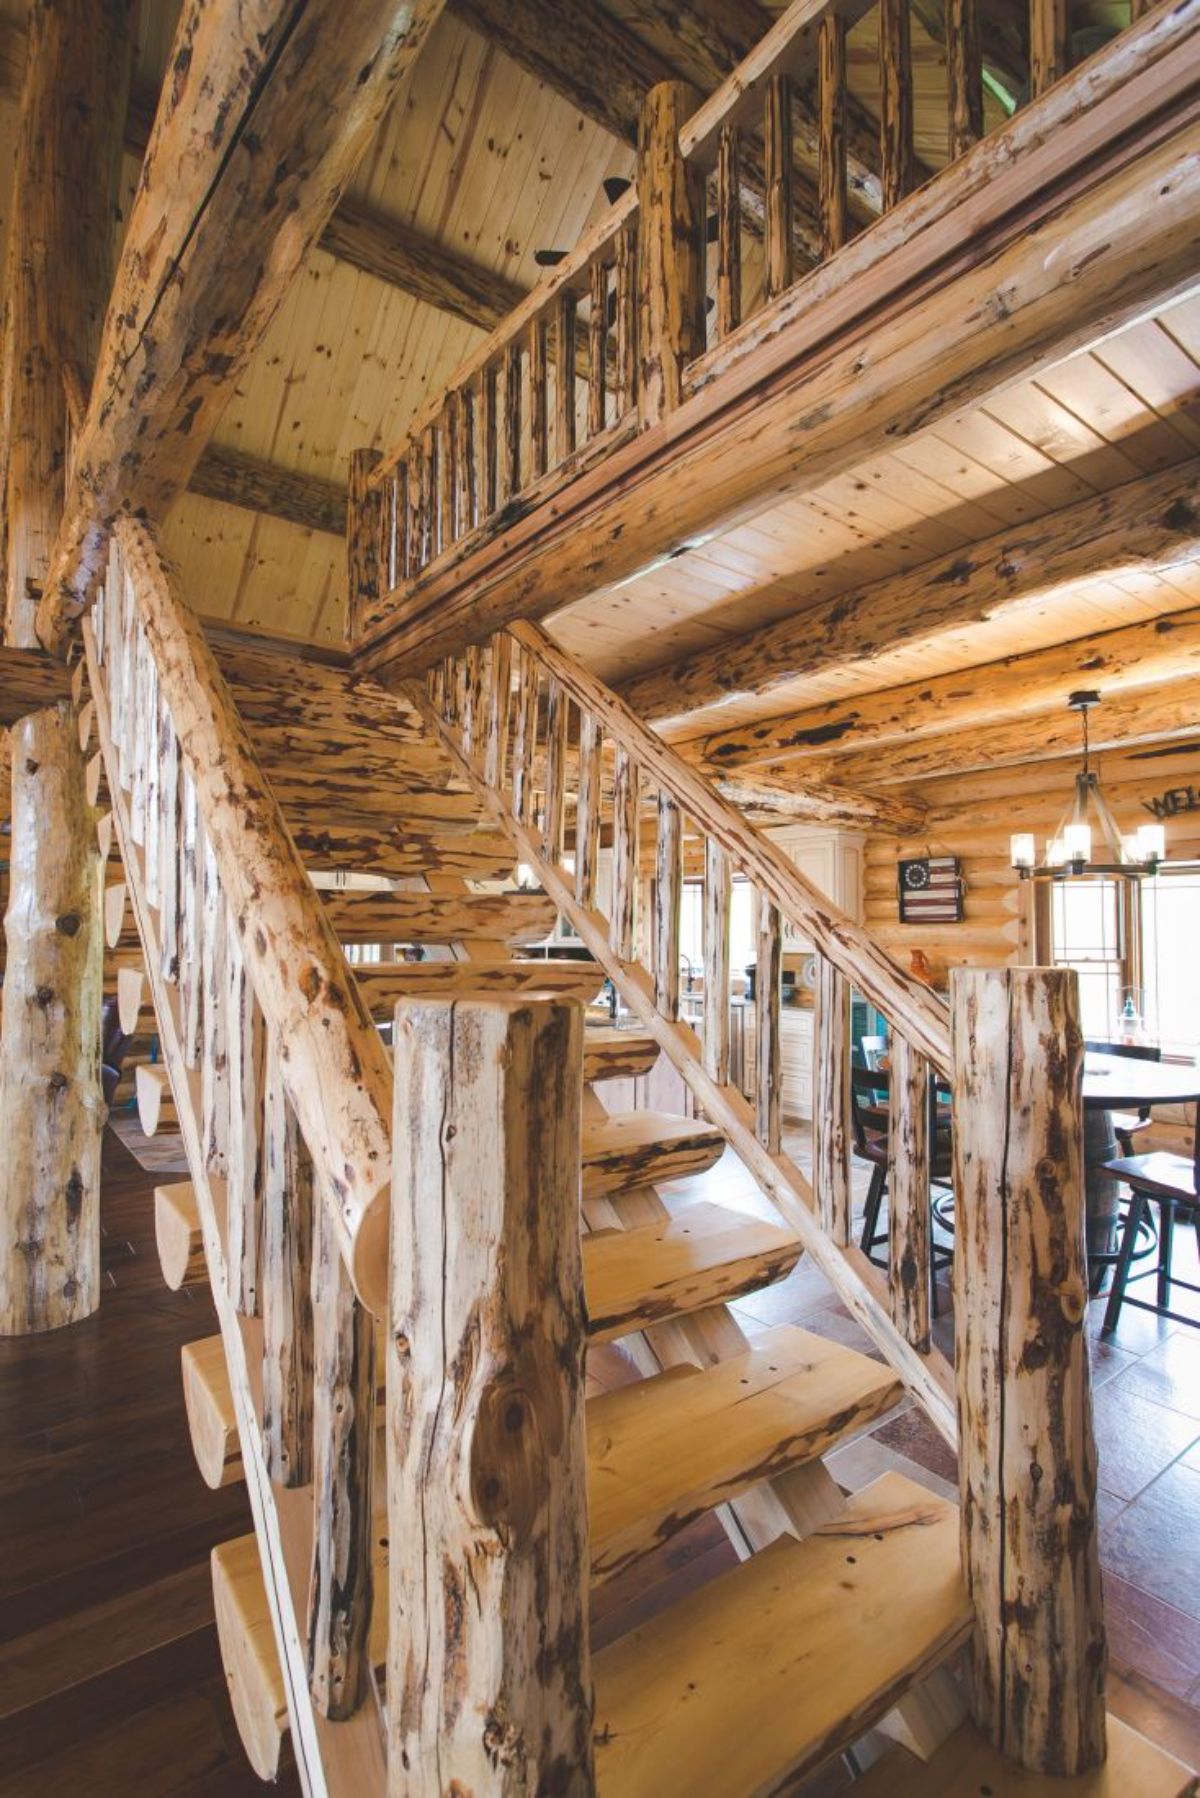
[
  {"x": 50, "y": 1097},
  {"x": 488, "y": 1687}
]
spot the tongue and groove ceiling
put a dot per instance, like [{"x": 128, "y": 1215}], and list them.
[{"x": 485, "y": 158}]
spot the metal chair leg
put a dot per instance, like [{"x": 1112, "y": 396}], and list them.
[
  {"x": 872, "y": 1207},
  {"x": 1137, "y": 1209},
  {"x": 1166, "y": 1242}
]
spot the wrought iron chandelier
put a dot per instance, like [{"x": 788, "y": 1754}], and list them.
[{"x": 1069, "y": 850}]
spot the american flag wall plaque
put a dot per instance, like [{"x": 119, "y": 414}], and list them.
[{"x": 931, "y": 890}]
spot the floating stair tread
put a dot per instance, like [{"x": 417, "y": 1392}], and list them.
[
  {"x": 966, "y": 1765},
  {"x": 328, "y": 845},
  {"x": 610, "y": 1053},
  {"x": 662, "y": 1451},
  {"x": 440, "y": 918},
  {"x": 178, "y": 1236},
  {"x": 705, "y": 1255},
  {"x": 640, "y": 1148},
  {"x": 248, "y": 1652},
  {"x": 383, "y": 984},
  {"x": 768, "y": 1670},
  {"x": 212, "y": 1421}
]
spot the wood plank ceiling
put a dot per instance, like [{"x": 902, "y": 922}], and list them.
[{"x": 483, "y": 157}]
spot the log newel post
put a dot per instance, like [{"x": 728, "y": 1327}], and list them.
[
  {"x": 488, "y": 1676},
  {"x": 1027, "y": 1454},
  {"x": 366, "y": 580},
  {"x": 670, "y": 288}
]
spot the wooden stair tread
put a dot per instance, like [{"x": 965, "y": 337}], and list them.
[
  {"x": 178, "y": 1236},
  {"x": 966, "y": 1764},
  {"x": 635, "y": 1278},
  {"x": 212, "y": 1421},
  {"x": 382, "y": 985},
  {"x": 771, "y": 1668},
  {"x": 640, "y": 1148},
  {"x": 248, "y": 1652},
  {"x": 664, "y": 1450},
  {"x": 610, "y": 1053},
  {"x": 440, "y": 917}
]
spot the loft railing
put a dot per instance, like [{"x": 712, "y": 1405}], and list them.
[
  {"x": 748, "y": 217},
  {"x": 564, "y": 766},
  {"x": 283, "y": 1094}
]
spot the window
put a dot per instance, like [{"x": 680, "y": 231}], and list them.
[
  {"x": 743, "y": 941},
  {"x": 1133, "y": 940}
]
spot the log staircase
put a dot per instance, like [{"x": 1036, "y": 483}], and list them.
[{"x": 235, "y": 776}]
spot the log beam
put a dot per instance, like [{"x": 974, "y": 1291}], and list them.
[
  {"x": 1027, "y": 1453},
  {"x": 30, "y": 681},
  {"x": 488, "y": 1681},
  {"x": 775, "y": 409},
  {"x": 236, "y": 479},
  {"x": 815, "y": 803},
  {"x": 1146, "y": 524},
  {"x": 79, "y": 55},
  {"x": 254, "y": 139},
  {"x": 1152, "y": 652}
]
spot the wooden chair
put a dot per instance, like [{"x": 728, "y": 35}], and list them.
[
  {"x": 1127, "y": 1124},
  {"x": 1172, "y": 1182},
  {"x": 869, "y": 1091}
]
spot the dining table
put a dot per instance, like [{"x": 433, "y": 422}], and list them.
[{"x": 1113, "y": 1083}]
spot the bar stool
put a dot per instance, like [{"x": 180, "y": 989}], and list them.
[{"x": 1172, "y": 1182}]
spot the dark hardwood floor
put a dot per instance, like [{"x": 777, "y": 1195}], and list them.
[{"x": 110, "y": 1675}]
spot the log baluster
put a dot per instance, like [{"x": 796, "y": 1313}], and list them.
[
  {"x": 341, "y": 1590},
  {"x": 564, "y": 377},
  {"x": 148, "y": 755},
  {"x": 429, "y": 495},
  {"x": 413, "y": 531},
  {"x": 597, "y": 347},
  {"x": 452, "y": 520},
  {"x": 470, "y": 458},
  {"x": 489, "y": 431},
  {"x": 499, "y": 700},
  {"x": 525, "y": 746},
  {"x": 168, "y": 845},
  {"x": 1027, "y": 1451},
  {"x": 831, "y": 1101},
  {"x": 831, "y": 132},
  {"x": 718, "y": 898},
  {"x": 895, "y": 101},
  {"x": 626, "y": 320},
  {"x": 137, "y": 760},
  {"x": 191, "y": 880},
  {"x": 587, "y": 809},
  {"x": 729, "y": 232},
  {"x": 511, "y": 467},
  {"x": 668, "y": 905},
  {"x": 964, "y": 76},
  {"x": 472, "y": 686},
  {"x": 779, "y": 263},
  {"x": 626, "y": 859},
  {"x": 365, "y": 515},
  {"x": 289, "y": 1196},
  {"x": 557, "y": 719},
  {"x": 909, "y": 1221},
  {"x": 768, "y": 1065},
  {"x": 214, "y": 1068},
  {"x": 539, "y": 444},
  {"x": 246, "y": 1048},
  {"x": 671, "y": 214},
  {"x": 1049, "y": 43},
  {"x": 485, "y": 1396}
]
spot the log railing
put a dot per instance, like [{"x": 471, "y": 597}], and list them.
[
  {"x": 571, "y": 773},
  {"x": 282, "y": 1090},
  {"x": 563, "y": 765},
  {"x": 550, "y": 391}
]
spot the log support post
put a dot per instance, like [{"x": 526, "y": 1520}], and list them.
[
  {"x": 670, "y": 252},
  {"x": 366, "y": 571},
  {"x": 488, "y": 1679},
  {"x": 52, "y": 1112},
  {"x": 1027, "y": 1454}
]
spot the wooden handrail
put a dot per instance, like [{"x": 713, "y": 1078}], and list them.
[
  {"x": 336, "y": 1071},
  {"x": 919, "y": 1014}
]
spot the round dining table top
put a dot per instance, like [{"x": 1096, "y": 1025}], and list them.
[{"x": 1119, "y": 1081}]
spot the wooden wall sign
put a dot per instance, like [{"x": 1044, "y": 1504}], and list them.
[
  {"x": 1173, "y": 802},
  {"x": 931, "y": 890}
]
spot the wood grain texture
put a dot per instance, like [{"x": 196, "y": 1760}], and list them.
[
  {"x": 642, "y": 1148},
  {"x": 488, "y": 1680},
  {"x": 289, "y": 1200},
  {"x": 909, "y": 1222},
  {"x": 768, "y": 1062},
  {"x": 670, "y": 253},
  {"x": 1027, "y": 1458},
  {"x": 831, "y": 1101},
  {"x": 30, "y": 681}
]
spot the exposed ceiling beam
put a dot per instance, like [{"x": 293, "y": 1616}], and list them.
[
  {"x": 30, "y": 680},
  {"x": 1140, "y": 715},
  {"x": 816, "y": 802},
  {"x": 254, "y": 140},
  {"x": 1148, "y": 523},
  {"x": 237, "y": 479},
  {"x": 1138, "y": 655}
]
